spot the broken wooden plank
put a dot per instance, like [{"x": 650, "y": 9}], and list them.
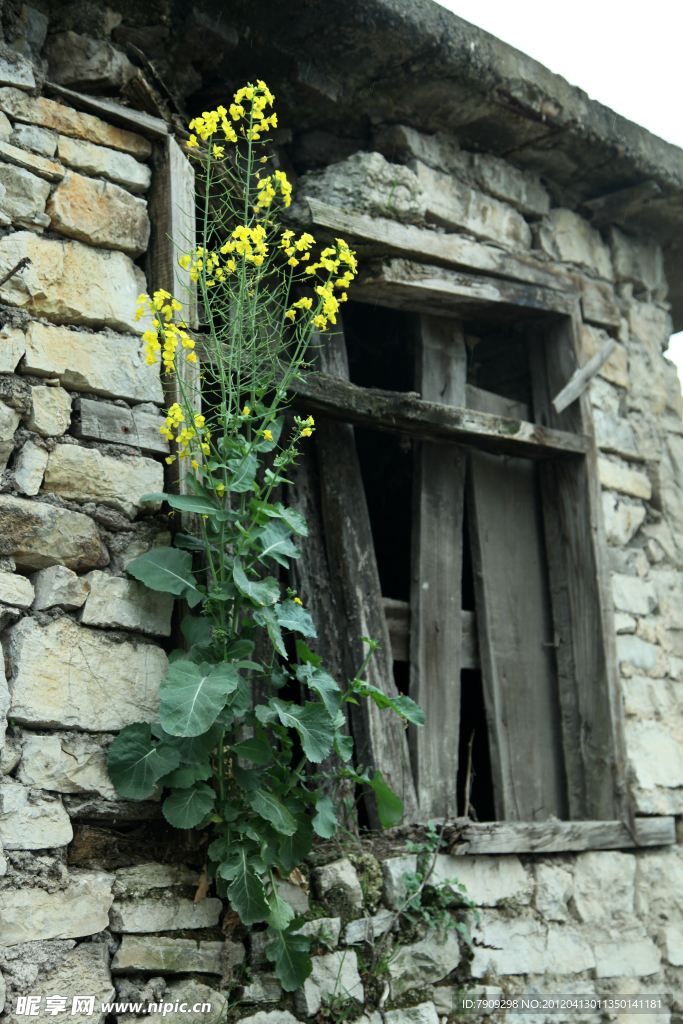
[
  {"x": 437, "y": 291},
  {"x": 114, "y": 113},
  {"x": 100, "y": 421},
  {"x": 515, "y": 638},
  {"x": 580, "y": 379},
  {"x": 451, "y": 249},
  {"x": 436, "y": 576},
  {"x": 404, "y": 413},
  {"x": 397, "y": 614},
  {"x": 562, "y": 836}
]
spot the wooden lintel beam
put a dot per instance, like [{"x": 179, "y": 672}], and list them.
[
  {"x": 405, "y": 413},
  {"x": 557, "y": 836}
]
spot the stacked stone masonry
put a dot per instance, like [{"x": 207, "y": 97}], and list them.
[{"x": 84, "y": 644}]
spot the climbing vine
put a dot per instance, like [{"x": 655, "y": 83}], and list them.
[{"x": 232, "y": 749}]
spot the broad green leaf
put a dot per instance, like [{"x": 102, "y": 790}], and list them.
[
  {"x": 308, "y": 656},
  {"x": 312, "y": 722},
  {"x": 294, "y": 848},
  {"x": 239, "y": 649},
  {"x": 281, "y": 913},
  {"x": 189, "y": 543},
  {"x": 275, "y": 543},
  {"x": 165, "y": 569},
  {"x": 325, "y": 820},
  {"x": 322, "y": 683},
  {"x": 265, "y": 715},
  {"x": 185, "y": 808},
  {"x": 269, "y": 618},
  {"x": 289, "y": 953},
  {"x": 403, "y": 706},
  {"x": 193, "y": 503},
  {"x": 193, "y": 695},
  {"x": 343, "y": 746},
  {"x": 186, "y": 776},
  {"x": 197, "y": 630},
  {"x": 255, "y": 750},
  {"x": 291, "y": 615},
  {"x": 153, "y": 497},
  {"x": 291, "y": 516},
  {"x": 243, "y": 471},
  {"x": 389, "y": 807},
  {"x": 246, "y": 893},
  {"x": 240, "y": 700},
  {"x": 135, "y": 764},
  {"x": 269, "y": 807},
  {"x": 191, "y": 748},
  {"x": 261, "y": 592},
  {"x": 246, "y": 778}
]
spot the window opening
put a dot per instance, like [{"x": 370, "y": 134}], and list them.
[
  {"x": 381, "y": 346},
  {"x": 498, "y": 359}
]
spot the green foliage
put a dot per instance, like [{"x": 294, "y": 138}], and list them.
[
  {"x": 239, "y": 768},
  {"x": 431, "y": 904}
]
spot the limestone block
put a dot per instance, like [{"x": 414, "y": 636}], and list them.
[
  {"x": 423, "y": 1013},
  {"x": 424, "y": 962},
  {"x": 632, "y": 594},
  {"x": 624, "y": 623},
  {"x": 91, "y": 65},
  {"x": 637, "y": 652},
  {"x": 81, "y": 908},
  {"x": 622, "y": 520},
  {"x": 368, "y": 929},
  {"x": 564, "y": 235},
  {"x": 605, "y": 396},
  {"x": 521, "y": 947},
  {"x": 393, "y": 869},
  {"x": 145, "y": 878},
  {"x": 99, "y": 213},
  {"x": 29, "y": 468},
  {"x": 646, "y": 697},
  {"x": 629, "y": 561},
  {"x": 615, "y": 434},
  {"x": 554, "y": 887},
  {"x": 262, "y": 988},
  {"x": 190, "y": 994},
  {"x": 567, "y": 951},
  {"x": 58, "y": 585},
  {"x": 9, "y": 421},
  {"x": 458, "y": 207},
  {"x": 3, "y": 992},
  {"x": 153, "y": 953},
  {"x": 67, "y": 121},
  {"x": 84, "y": 474},
  {"x": 650, "y": 324},
  {"x": 616, "y": 476},
  {"x": 521, "y": 189},
  {"x": 67, "y": 676},
  {"x": 111, "y": 365},
  {"x": 339, "y": 874},
  {"x": 671, "y": 941},
  {"x": 655, "y": 755},
  {"x": 295, "y": 896},
  {"x": 486, "y": 879},
  {"x": 50, "y": 170},
  {"x": 71, "y": 763},
  {"x": 270, "y": 1017},
  {"x": 51, "y": 411},
  {"x": 25, "y": 196},
  {"x": 627, "y": 959},
  {"x": 169, "y": 913},
  {"x": 604, "y": 885},
  {"x": 5, "y": 127},
  {"x": 31, "y": 820},
  {"x": 84, "y": 971},
  {"x": 15, "y": 69},
  {"x": 671, "y": 476},
  {"x": 331, "y": 975},
  {"x": 400, "y": 143},
  {"x": 115, "y": 603},
  {"x": 367, "y": 183},
  {"x": 639, "y": 261},
  {"x": 69, "y": 282},
  {"x": 10, "y": 755},
  {"x": 7, "y": 763},
  {"x": 615, "y": 369},
  {"x": 16, "y": 590},
  {"x": 37, "y": 535},
  {"x": 144, "y": 539},
  {"x": 36, "y": 139},
  {"x": 101, "y": 162},
  {"x": 12, "y": 348}
]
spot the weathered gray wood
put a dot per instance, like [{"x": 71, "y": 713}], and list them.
[
  {"x": 598, "y": 304},
  {"x": 101, "y": 421},
  {"x": 562, "y": 836},
  {"x": 397, "y": 614},
  {"x": 592, "y": 722},
  {"x": 379, "y": 736},
  {"x": 515, "y": 638},
  {"x": 452, "y": 249},
  {"x": 581, "y": 378},
  {"x": 486, "y": 401},
  {"x": 402, "y": 284},
  {"x": 436, "y": 574},
  {"x": 115, "y": 113},
  {"x": 407, "y": 414}
]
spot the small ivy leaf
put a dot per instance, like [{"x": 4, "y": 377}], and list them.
[
  {"x": 165, "y": 569},
  {"x": 135, "y": 764},
  {"x": 193, "y": 695},
  {"x": 269, "y": 807},
  {"x": 293, "y": 616},
  {"x": 389, "y": 807},
  {"x": 185, "y": 808},
  {"x": 246, "y": 778},
  {"x": 260, "y": 592},
  {"x": 322, "y": 683},
  {"x": 290, "y": 955},
  {"x": 186, "y": 776},
  {"x": 308, "y": 656},
  {"x": 325, "y": 820},
  {"x": 343, "y": 745},
  {"x": 246, "y": 893},
  {"x": 313, "y": 724},
  {"x": 255, "y": 750},
  {"x": 294, "y": 848},
  {"x": 197, "y": 631},
  {"x": 281, "y": 914}
]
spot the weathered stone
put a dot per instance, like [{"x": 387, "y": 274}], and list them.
[
  {"x": 88, "y": 64},
  {"x": 12, "y": 348},
  {"x": 262, "y": 988},
  {"x": 68, "y": 676},
  {"x": 671, "y": 486},
  {"x": 36, "y": 139},
  {"x": 71, "y": 763},
  {"x": 622, "y": 520},
  {"x": 399, "y": 143},
  {"x": 15, "y": 69},
  {"x": 210, "y": 1005},
  {"x": 627, "y": 959},
  {"x": 424, "y": 962},
  {"x": 448, "y": 999},
  {"x": 68, "y": 121},
  {"x": 5, "y": 701},
  {"x": 647, "y": 697},
  {"x": 51, "y": 411},
  {"x": 629, "y": 561},
  {"x": 615, "y": 434},
  {"x": 637, "y": 652},
  {"x": 16, "y": 590},
  {"x": 69, "y": 282},
  {"x": 654, "y": 753},
  {"x": 25, "y": 196},
  {"x": 116, "y": 603},
  {"x": 564, "y": 235},
  {"x": 37, "y": 535},
  {"x": 270, "y": 1017},
  {"x": 615, "y": 369},
  {"x": 671, "y": 940},
  {"x": 295, "y": 896},
  {"x": 9, "y": 421},
  {"x": 84, "y": 474},
  {"x": 10, "y": 754},
  {"x": 367, "y": 183},
  {"x": 100, "y": 162},
  {"x": 554, "y": 886},
  {"x": 169, "y": 913},
  {"x": 50, "y": 170},
  {"x": 111, "y": 365},
  {"x": 5, "y": 127},
  {"x": 29, "y": 468},
  {"x": 604, "y": 886},
  {"x": 650, "y": 324},
  {"x": 339, "y": 874},
  {"x": 99, "y": 213},
  {"x": 332, "y": 974},
  {"x": 84, "y": 971},
  {"x": 145, "y": 878},
  {"x": 616, "y": 476},
  {"x": 423, "y": 1013},
  {"x": 368, "y": 929},
  {"x": 639, "y": 261},
  {"x": 487, "y": 880},
  {"x": 393, "y": 869},
  {"x": 456, "y": 206},
  {"x": 632, "y": 594},
  {"x": 153, "y": 953},
  {"x": 521, "y": 947},
  {"x": 31, "y": 820},
  {"x": 521, "y": 189},
  {"x": 58, "y": 585},
  {"x": 624, "y": 623},
  {"x": 331, "y": 926}
]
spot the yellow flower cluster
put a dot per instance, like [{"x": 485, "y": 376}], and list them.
[
  {"x": 249, "y": 243},
  {"x": 184, "y": 435},
  {"x": 306, "y": 432},
  {"x": 268, "y": 190},
  {"x": 330, "y": 260},
  {"x": 259, "y": 96},
  {"x": 164, "y": 329},
  {"x": 302, "y": 245}
]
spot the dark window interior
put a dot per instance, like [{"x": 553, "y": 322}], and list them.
[
  {"x": 381, "y": 346},
  {"x": 498, "y": 359}
]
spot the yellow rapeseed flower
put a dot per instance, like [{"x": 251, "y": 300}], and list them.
[
  {"x": 306, "y": 432},
  {"x": 297, "y": 601},
  {"x": 246, "y": 410},
  {"x": 195, "y": 464},
  {"x": 267, "y": 435}
]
